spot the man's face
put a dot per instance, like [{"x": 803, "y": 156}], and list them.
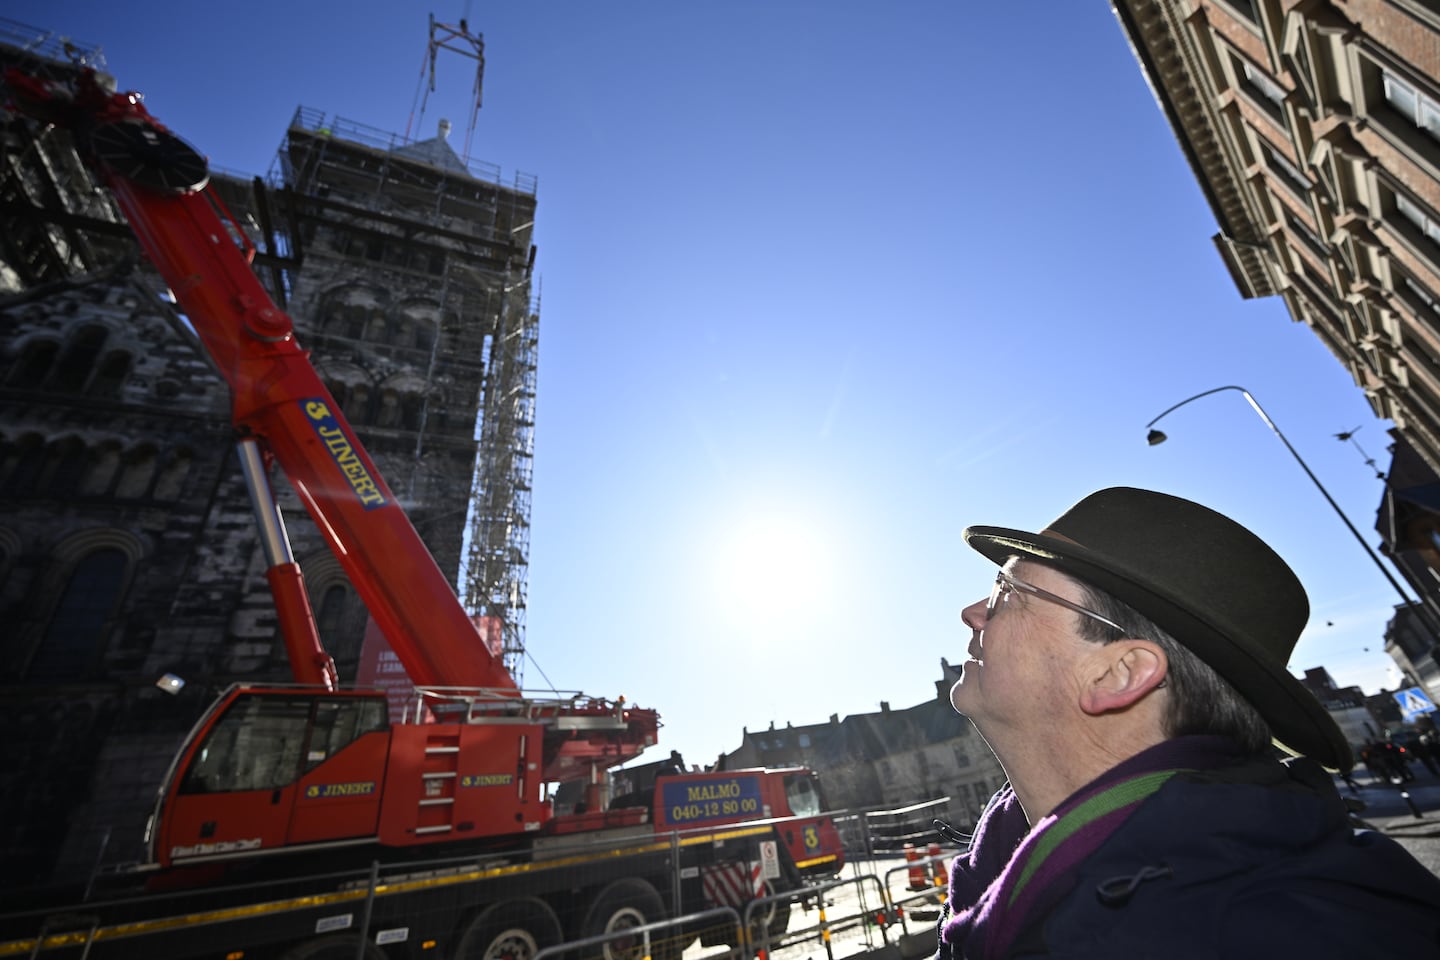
[{"x": 1025, "y": 655}]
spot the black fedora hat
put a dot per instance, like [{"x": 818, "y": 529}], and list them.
[{"x": 1210, "y": 583}]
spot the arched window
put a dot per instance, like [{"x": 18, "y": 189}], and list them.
[
  {"x": 388, "y": 414},
  {"x": 375, "y": 326},
  {"x": 171, "y": 481},
  {"x": 111, "y": 376},
  {"x": 104, "y": 462},
  {"x": 65, "y": 466},
  {"x": 33, "y": 364},
  {"x": 412, "y": 408},
  {"x": 79, "y": 359},
  {"x": 136, "y": 472},
  {"x": 347, "y": 309},
  {"x": 341, "y": 393},
  {"x": 438, "y": 416},
  {"x": 421, "y": 318},
  {"x": 20, "y": 465},
  {"x": 329, "y": 618},
  {"x": 355, "y": 316},
  {"x": 359, "y": 410},
  {"x": 339, "y": 617},
  {"x": 75, "y": 635}
]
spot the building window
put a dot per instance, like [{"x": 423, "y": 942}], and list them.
[
  {"x": 111, "y": 376},
  {"x": 1311, "y": 238},
  {"x": 79, "y": 359},
  {"x": 1418, "y": 215},
  {"x": 65, "y": 465},
  {"x": 1414, "y": 105},
  {"x": 332, "y": 609},
  {"x": 34, "y": 364},
  {"x": 1261, "y": 82},
  {"x": 104, "y": 464},
  {"x": 1419, "y": 297},
  {"x": 1245, "y": 8},
  {"x": 171, "y": 480},
  {"x": 1292, "y": 175},
  {"x": 76, "y": 631},
  {"x": 136, "y": 471},
  {"x": 20, "y": 464}
]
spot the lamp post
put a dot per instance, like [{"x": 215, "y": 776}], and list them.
[{"x": 1155, "y": 437}]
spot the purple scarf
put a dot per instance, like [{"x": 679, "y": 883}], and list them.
[{"x": 1012, "y": 875}]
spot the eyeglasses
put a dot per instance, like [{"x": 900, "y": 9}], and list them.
[{"x": 1005, "y": 583}]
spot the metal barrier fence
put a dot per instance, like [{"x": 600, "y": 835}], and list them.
[
  {"x": 881, "y": 903},
  {"x": 622, "y": 945},
  {"x": 880, "y": 833}
]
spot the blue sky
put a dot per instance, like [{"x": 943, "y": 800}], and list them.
[{"x": 823, "y": 283}]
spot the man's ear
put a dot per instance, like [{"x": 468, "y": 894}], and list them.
[{"x": 1123, "y": 672}]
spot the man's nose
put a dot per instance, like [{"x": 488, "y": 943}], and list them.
[{"x": 973, "y": 616}]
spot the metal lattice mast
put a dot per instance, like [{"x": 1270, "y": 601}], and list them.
[{"x": 497, "y": 567}]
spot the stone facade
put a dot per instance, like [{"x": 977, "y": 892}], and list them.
[{"x": 127, "y": 543}]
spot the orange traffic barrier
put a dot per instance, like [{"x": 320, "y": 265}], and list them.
[
  {"x": 937, "y": 866},
  {"x": 919, "y": 876}
]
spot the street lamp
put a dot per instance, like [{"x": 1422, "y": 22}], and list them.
[{"x": 1155, "y": 437}]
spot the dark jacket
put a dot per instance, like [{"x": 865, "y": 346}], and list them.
[{"x": 1255, "y": 860}]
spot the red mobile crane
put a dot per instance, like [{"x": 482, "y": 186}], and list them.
[
  {"x": 479, "y": 770},
  {"x": 275, "y": 770}
]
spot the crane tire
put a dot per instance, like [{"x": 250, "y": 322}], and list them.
[
  {"x": 510, "y": 930},
  {"x": 775, "y": 918},
  {"x": 335, "y": 946},
  {"x": 625, "y": 904}
]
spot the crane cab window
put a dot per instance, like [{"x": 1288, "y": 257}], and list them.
[
  {"x": 338, "y": 723},
  {"x": 260, "y": 741},
  {"x": 803, "y": 795}
]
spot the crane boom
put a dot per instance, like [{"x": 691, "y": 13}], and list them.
[{"x": 161, "y": 186}]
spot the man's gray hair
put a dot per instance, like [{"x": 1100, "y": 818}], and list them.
[{"x": 1200, "y": 701}]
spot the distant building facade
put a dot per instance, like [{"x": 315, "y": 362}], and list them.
[
  {"x": 1313, "y": 128},
  {"x": 127, "y": 543},
  {"x": 887, "y": 760}
]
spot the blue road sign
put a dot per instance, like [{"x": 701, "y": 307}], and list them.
[{"x": 1413, "y": 702}]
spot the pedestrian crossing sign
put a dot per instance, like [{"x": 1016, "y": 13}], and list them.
[{"x": 1413, "y": 702}]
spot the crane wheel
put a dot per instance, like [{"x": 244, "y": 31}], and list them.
[
  {"x": 624, "y": 905},
  {"x": 512, "y": 930},
  {"x": 774, "y": 917},
  {"x": 149, "y": 157}
]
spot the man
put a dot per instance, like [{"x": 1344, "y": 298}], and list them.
[{"x": 1129, "y": 672}]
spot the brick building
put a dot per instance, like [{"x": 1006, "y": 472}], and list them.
[
  {"x": 1313, "y": 129},
  {"x": 127, "y": 543}
]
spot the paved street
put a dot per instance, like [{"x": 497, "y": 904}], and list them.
[{"x": 1387, "y": 809}]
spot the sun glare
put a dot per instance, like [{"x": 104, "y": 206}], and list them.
[{"x": 773, "y": 568}]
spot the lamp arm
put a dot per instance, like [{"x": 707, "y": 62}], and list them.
[
  {"x": 1255, "y": 405},
  {"x": 1206, "y": 394}
]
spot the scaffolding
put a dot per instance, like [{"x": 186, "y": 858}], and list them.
[
  {"x": 497, "y": 565},
  {"x": 347, "y": 187},
  {"x": 347, "y": 199}
]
